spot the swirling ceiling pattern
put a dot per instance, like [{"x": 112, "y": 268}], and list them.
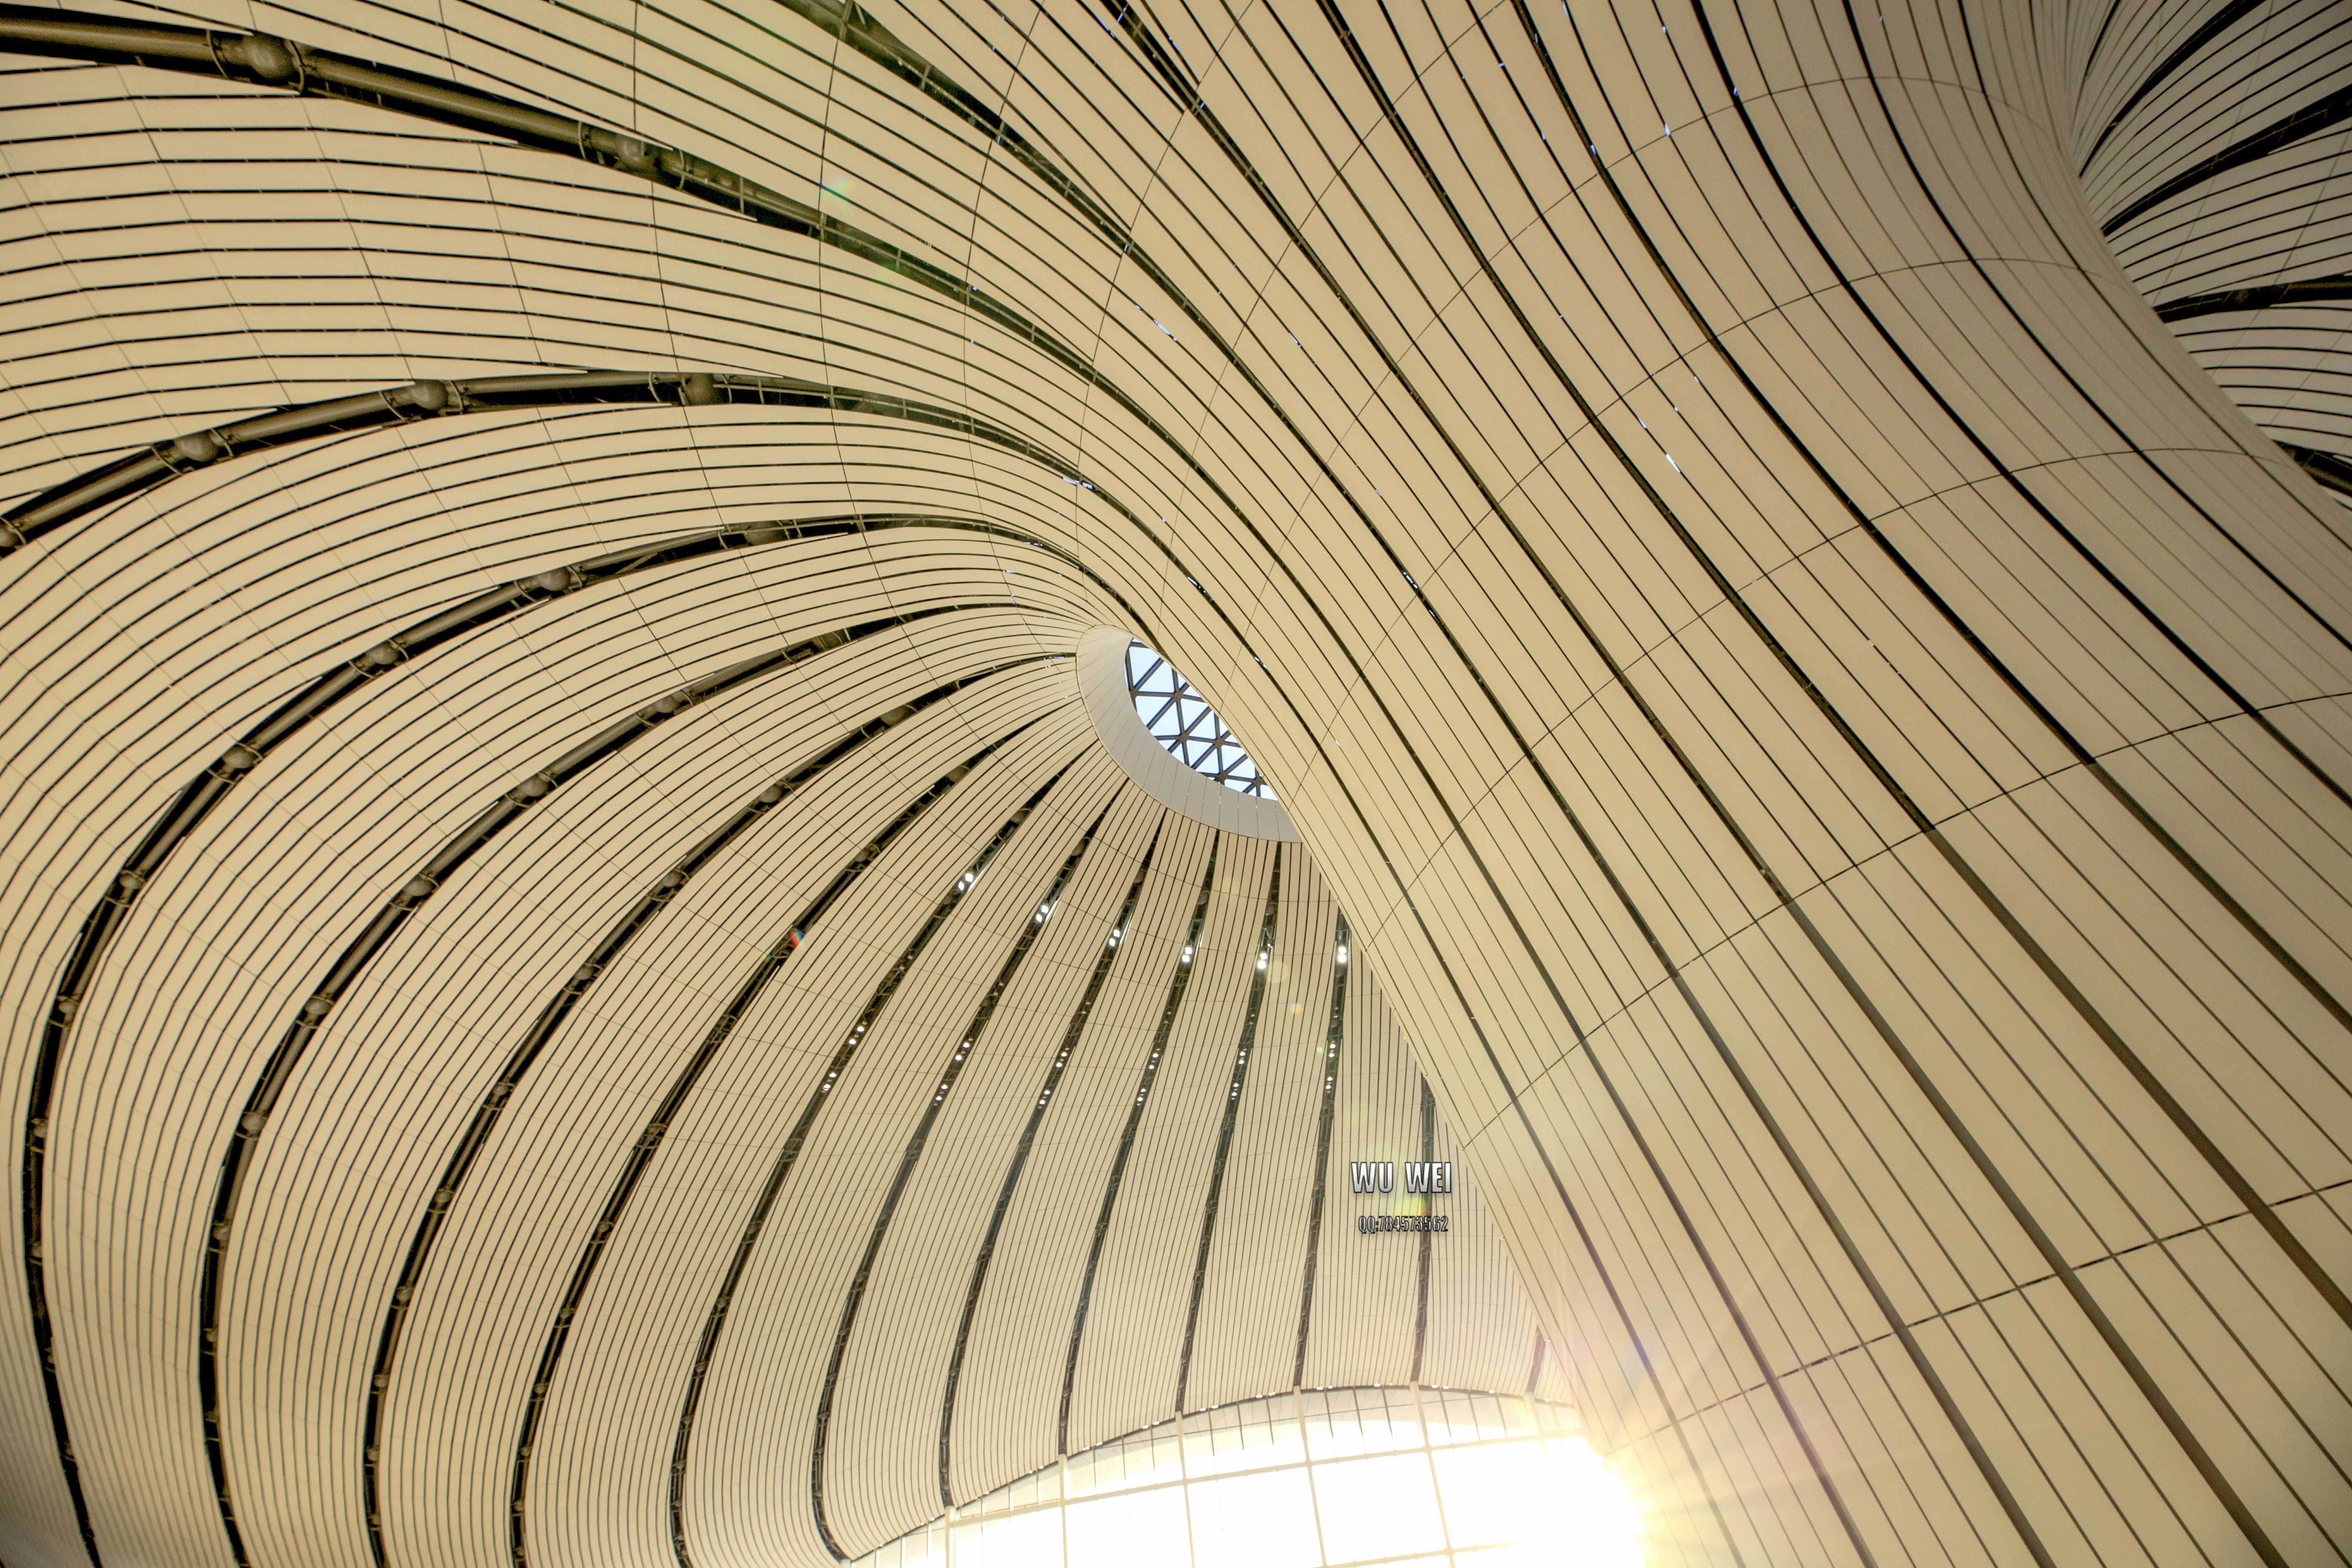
[
  {"x": 585, "y": 987},
  {"x": 2216, "y": 165}
]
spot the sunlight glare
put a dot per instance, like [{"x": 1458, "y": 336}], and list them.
[{"x": 1529, "y": 1495}]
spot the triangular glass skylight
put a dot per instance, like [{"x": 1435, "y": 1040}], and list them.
[{"x": 1181, "y": 721}]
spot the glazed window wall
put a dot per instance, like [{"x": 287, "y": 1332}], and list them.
[{"x": 1348, "y": 1478}]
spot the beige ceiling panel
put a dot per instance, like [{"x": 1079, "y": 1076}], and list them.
[
  {"x": 2001, "y": 554},
  {"x": 1367, "y": 1301},
  {"x": 2008, "y": 1238},
  {"x": 883, "y": 1451},
  {"x": 1143, "y": 1283},
  {"x": 738, "y": 1122},
  {"x": 1647, "y": 1262},
  {"x": 2058, "y": 1089},
  {"x": 1007, "y": 1403},
  {"x": 2246, "y": 832},
  {"x": 1256, "y": 1252},
  {"x": 2186, "y": 1016}
]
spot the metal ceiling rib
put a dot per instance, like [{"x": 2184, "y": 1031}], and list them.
[
  {"x": 1826, "y": 723},
  {"x": 1263, "y": 1196}
]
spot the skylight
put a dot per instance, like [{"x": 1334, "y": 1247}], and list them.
[
  {"x": 1184, "y": 724},
  {"x": 1342, "y": 1478}
]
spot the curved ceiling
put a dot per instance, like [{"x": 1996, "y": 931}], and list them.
[
  {"x": 514, "y": 1077},
  {"x": 2214, "y": 141},
  {"x": 585, "y": 987}
]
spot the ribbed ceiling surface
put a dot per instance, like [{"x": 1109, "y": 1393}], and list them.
[
  {"x": 548, "y": 547},
  {"x": 2218, "y": 156},
  {"x": 537, "y": 1137}
]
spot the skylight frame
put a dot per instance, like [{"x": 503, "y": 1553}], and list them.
[{"x": 1186, "y": 727}]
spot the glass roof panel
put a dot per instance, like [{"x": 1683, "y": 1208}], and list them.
[
  {"x": 1181, "y": 721},
  {"x": 1336, "y": 1478}
]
